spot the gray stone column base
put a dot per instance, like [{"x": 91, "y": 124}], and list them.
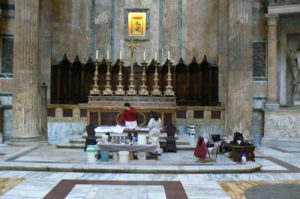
[{"x": 25, "y": 140}]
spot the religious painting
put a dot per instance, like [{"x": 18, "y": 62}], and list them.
[{"x": 137, "y": 24}]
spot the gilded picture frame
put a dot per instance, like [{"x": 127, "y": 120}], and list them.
[{"x": 137, "y": 24}]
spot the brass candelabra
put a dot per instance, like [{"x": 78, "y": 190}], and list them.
[
  {"x": 107, "y": 88},
  {"x": 131, "y": 88},
  {"x": 120, "y": 87},
  {"x": 169, "y": 88},
  {"x": 143, "y": 88},
  {"x": 95, "y": 88},
  {"x": 156, "y": 91}
]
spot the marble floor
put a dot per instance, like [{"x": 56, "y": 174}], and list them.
[{"x": 279, "y": 175}]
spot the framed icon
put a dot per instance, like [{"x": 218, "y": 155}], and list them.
[{"x": 137, "y": 24}]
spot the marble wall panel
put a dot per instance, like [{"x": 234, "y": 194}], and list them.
[
  {"x": 7, "y": 18},
  {"x": 151, "y": 46},
  {"x": 259, "y": 59},
  {"x": 260, "y": 89},
  {"x": 45, "y": 44},
  {"x": 6, "y": 85},
  {"x": 103, "y": 27},
  {"x": 258, "y": 123},
  {"x": 62, "y": 130},
  {"x": 7, "y": 124},
  {"x": 71, "y": 29},
  {"x": 170, "y": 30},
  {"x": 259, "y": 20},
  {"x": 200, "y": 29},
  {"x": 282, "y": 124}
]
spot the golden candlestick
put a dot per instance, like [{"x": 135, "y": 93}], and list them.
[
  {"x": 156, "y": 91},
  {"x": 120, "y": 87},
  {"x": 131, "y": 88},
  {"x": 169, "y": 88},
  {"x": 143, "y": 88},
  {"x": 95, "y": 88},
  {"x": 107, "y": 90}
]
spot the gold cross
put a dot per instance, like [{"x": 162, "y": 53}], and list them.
[{"x": 132, "y": 45}]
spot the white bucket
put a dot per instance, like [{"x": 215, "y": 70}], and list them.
[
  {"x": 92, "y": 154},
  {"x": 141, "y": 155},
  {"x": 142, "y": 139},
  {"x": 124, "y": 156}
]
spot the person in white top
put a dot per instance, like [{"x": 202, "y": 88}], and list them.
[{"x": 154, "y": 125}]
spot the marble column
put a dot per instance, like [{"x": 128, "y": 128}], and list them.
[
  {"x": 27, "y": 84},
  {"x": 1, "y": 123},
  {"x": 239, "y": 90},
  {"x": 272, "y": 101}
]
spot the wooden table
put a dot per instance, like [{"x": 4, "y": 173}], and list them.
[{"x": 237, "y": 150}]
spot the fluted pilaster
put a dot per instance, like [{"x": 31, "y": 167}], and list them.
[
  {"x": 272, "y": 59},
  {"x": 27, "y": 86},
  {"x": 239, "y": 98}
]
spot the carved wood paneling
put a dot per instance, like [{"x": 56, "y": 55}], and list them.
[{"x": 195, "y": 84}]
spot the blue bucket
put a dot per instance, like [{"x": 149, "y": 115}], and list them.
[{"x": 104, "y": 155}]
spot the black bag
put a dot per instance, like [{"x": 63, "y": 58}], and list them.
[{"x": 216, "y": 137}]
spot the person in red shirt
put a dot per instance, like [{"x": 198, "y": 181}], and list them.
[{"x": 129, "y": 116}]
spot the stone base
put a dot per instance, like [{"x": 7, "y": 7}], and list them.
[
  {"x": 282, "y": 125},
  {"x": 297, "y": 103},
  {"x": 272, "y": 106},
  {"x": 24, "y": 141}
]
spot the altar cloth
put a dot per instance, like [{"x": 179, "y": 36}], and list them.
[{"x": 126, "y": 147}]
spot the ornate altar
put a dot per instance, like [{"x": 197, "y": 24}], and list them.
[{"x": 102, "y": 88}]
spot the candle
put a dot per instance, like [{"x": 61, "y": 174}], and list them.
[
  {"x": 96, "y": 54},
  {"x": 169, "y": 56},
  {"x": 155, "y": 56},
  {"x": 144, "y": 55},
  {"x": 120, "y": 54},
  {"x": 107, "y": 54}
]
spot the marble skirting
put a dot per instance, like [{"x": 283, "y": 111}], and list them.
[
  {"x": 61, "y": 130},
  {"x": 282, "y": 124}
]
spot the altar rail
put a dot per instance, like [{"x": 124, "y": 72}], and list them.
[{"x": 194, "y": 84}]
